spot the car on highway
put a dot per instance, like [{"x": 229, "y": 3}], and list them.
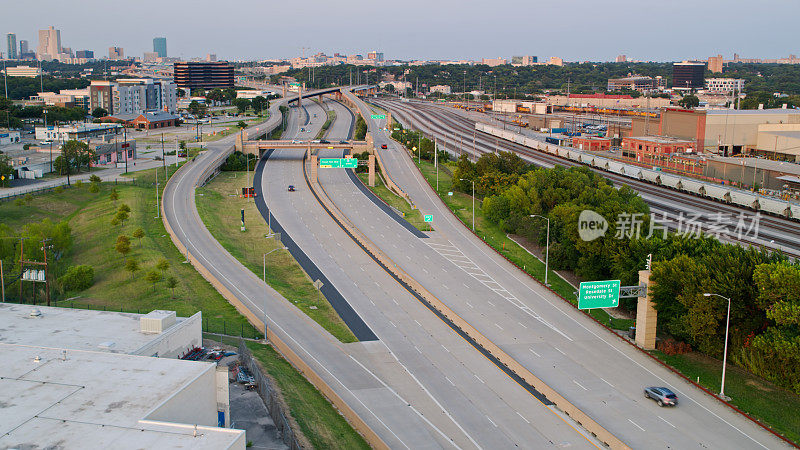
[
  {"x": 343, "y": 142},
  {"x": 384, "y": 146},
  {"x": 323, "y": 141},
  {"x": 291, "y": 188},
  {"x": 663, "y": 396}
]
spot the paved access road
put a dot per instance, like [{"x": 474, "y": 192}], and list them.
[
  {"x": 377, "y": 404},
  {"x": 588, "y": 365},
  {"x": 459, "y": 393}
]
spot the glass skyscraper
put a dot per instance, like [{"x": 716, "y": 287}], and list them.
[{"x": 160, "y": 46}]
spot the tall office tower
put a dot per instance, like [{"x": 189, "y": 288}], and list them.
[
  {"x": 23, "y": 46},
  {"x": 688, "y": 75},
  {"x": 12, "y": 46},
  {"x": 160, "y": 46},
  {"x": 49, "y": 44}
]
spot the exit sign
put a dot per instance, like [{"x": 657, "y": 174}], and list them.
[
  {"x": 378, "y": 116},
  {"x": 598, "y": 294},
  {"x": 338, "y": 163}
]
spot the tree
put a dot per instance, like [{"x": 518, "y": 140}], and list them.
[
  {"x": 259, "y": 104},
  {"x": 120, "y": 217},
  {"x": 94, "y": 188},
  {"x": 99, "y": 112},
  {"x": 77, "y": 278},
  {"x": 125, "y": 207},
  {"x": 241, "y": 124},
  {"x": 162, "y": 265},
  {"x": 123, "y": 246},
  {"x": 215, "y": 95},
  {"x": 154, "y": 277},
  {"x": 197, "y": 109},
  {"x": 132, "y": 266},
  {"x": 241, "y": 104},
  {"x": 689, "y": 101},
  {"x": 172, "y": 282},
  {"x": 138, "y": 234},
  {"x": 114, "y": 196},
  {"x": 6, "y": 170},
  {"x": 95, "y": 179}
]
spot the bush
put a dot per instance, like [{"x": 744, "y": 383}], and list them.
[
  {"x": 58, "y": 189},
  {"x": 94, "y": 188},
  {"x": 94, "y": 179},
  {"x": 19, "y": 202},
  {"x": 79, "y": 183},
  {"x": 77, "y": 278},
  {"x": 672, "y": 347}
]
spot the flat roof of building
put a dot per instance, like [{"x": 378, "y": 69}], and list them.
[
  {"x": 77, "y": 329},
  {"x": 661, "y": 139},
  {"x": 752, "y": 111},
  {"x": 761, "y": 163},
  {"x": 89, "y": 399}
]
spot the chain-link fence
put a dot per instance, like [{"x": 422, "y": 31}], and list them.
[{"x": 268, "y": 393}]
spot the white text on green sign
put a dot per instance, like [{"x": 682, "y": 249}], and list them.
[
  {"x": 428, "y": 217},
  {"x": 598, "y": 294},
  {"x": 378, "y": 116},
  {"x": 338, "y": 163}
]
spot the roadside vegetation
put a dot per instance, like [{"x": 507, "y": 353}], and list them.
[
  {"x": 219, "y": 204},
  {"x": 412, "y": 215},
  {"x": 327, "y": 124}
]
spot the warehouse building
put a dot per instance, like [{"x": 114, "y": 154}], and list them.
[{"x": 99, "y": 379}]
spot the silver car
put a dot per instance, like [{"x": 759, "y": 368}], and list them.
[{"x": 663, "y": 396}]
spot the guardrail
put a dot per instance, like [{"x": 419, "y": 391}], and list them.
[{"x": 725, "y": 194}]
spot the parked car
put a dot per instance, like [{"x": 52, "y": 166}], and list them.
[
  {"x": 291, "y": 188},
  {"x": 663, "y": 396},
  {"x": 384, "y": 146}
]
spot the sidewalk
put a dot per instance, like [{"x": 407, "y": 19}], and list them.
[{"x": 24, "y": 186}]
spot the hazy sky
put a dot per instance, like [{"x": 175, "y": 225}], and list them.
[{"x": 575, "y": 30}]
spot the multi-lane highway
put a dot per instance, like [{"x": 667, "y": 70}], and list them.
[
  {"x": 466, "y": 398},
  {"x": 593, "y": 368},
  {"x": 456, "y": 128},
  {"x": 419, "y": 383}
]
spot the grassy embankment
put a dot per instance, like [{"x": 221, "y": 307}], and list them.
[
  {"x": 89, "y": 215},
  {"x": 327, "y": 124},
  {"x": 220, "y": 208}
]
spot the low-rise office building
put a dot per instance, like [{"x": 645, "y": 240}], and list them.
[
  {"x": 636, "y": 83},
  {"x": 9, "y": 137},
  {"x": 23, "y": 71},
  {"x": 204, "y": 75},
  {"x": 80, "y": 132},
  {"x": 724, "y": 85},
  {"x": 147, "y": 120},
  {"x": 592, "y": 144}
]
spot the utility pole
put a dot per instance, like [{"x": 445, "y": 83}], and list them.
[
  {"x": 163, "y": 157},
  {"x": 125, "y": 147}
]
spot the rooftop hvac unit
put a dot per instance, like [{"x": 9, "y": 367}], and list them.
[{"x": 157, "y": 321}]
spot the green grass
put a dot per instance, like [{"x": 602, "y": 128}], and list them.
[
  {"x": 89, "y": 215},
  {"x": 461, "y": 204},
  {"x": 326, "y": 125},
  {"x": 412, "y": 215},
  {"x": 756, "y": 396},
  {"x": 317, "y": 418},
  {"x": 220, "y": 208}
]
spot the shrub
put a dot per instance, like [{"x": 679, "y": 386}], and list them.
[
  {"x": 672, "y": 347},
  {"x": 79, "y": 183},
  {"x": 19, "y": 202},
  {"x": 94, "y": 188},
  {"x": 77, "y": 278},
  {"x": 94, "y": 179},
  {"x": 58, "y": 189}
]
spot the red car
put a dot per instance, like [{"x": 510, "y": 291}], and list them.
[{"x": 384, "y": 146}]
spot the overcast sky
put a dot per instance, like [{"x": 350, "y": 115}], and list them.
[{"x": 575, "y": 30}]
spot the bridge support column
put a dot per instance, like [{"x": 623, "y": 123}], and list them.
[
  {"x": 300, "y": 97},
  {"x": 389, "y": 121},
  {"x": 646, "y": 315},
  {"x": 284, "y": 89},
  {"x": 371, "y": 166},
  {"x": 239, "y": 144},
  {"x": 314, "y": 167}
]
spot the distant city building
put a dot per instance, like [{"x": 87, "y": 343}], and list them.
[
  {"x": 524, "y": 60},
  {"x": 441, "y": 88},
  {"x": 715, "y": 64},
  {"x": 160, "y": 46},
  {"x": 494, "y": 62},
  {"x": 66, "y": 98},
  {"x": 636, "y": 83},
  {"x": 556, "y": 61},
  {"x": 23, "y": 71},
  {"x": 724, "y": 85},
  {"x": 24, "y": 50},
  {"x": 84, "y": 54},
  {"x": 150, "y": 57},
  {"x": 116, "y": 53},
  {"x": 23, "y": 46},
  {"x": 49, "y": 44},
  {"x": 211, "y": 57},
  {"x": 621, "y": 59},
  {"x": 688, "y": 75},
  {"x": 375, "y": 56},
  {"x": 11, "y": 38},
  {"x": 208, "y": 75}
]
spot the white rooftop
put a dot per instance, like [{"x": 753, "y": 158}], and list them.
[
  {"x": 77, "y": 329},
  {"x": 91, "y": 399}
]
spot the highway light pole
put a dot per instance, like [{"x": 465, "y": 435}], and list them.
[
  {"x": 265, "y": 282},
  {"x": 547, "y": 248},
  {"x": 725, "y": 351},
  {"x": 473, "y": 201}
]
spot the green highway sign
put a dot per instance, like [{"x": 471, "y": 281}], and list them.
[
  {"x": 378, "y": 116},
  {"x": 338, "y": 163},
  {"x": 598, "y": 294},
  {"x": 428, "y": 217}
]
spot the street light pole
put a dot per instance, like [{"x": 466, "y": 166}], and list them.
[
  {"x": 547, "y": 249},
  {"x": 473, "y": 201},
  {"x": 725, "y": 351}
]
